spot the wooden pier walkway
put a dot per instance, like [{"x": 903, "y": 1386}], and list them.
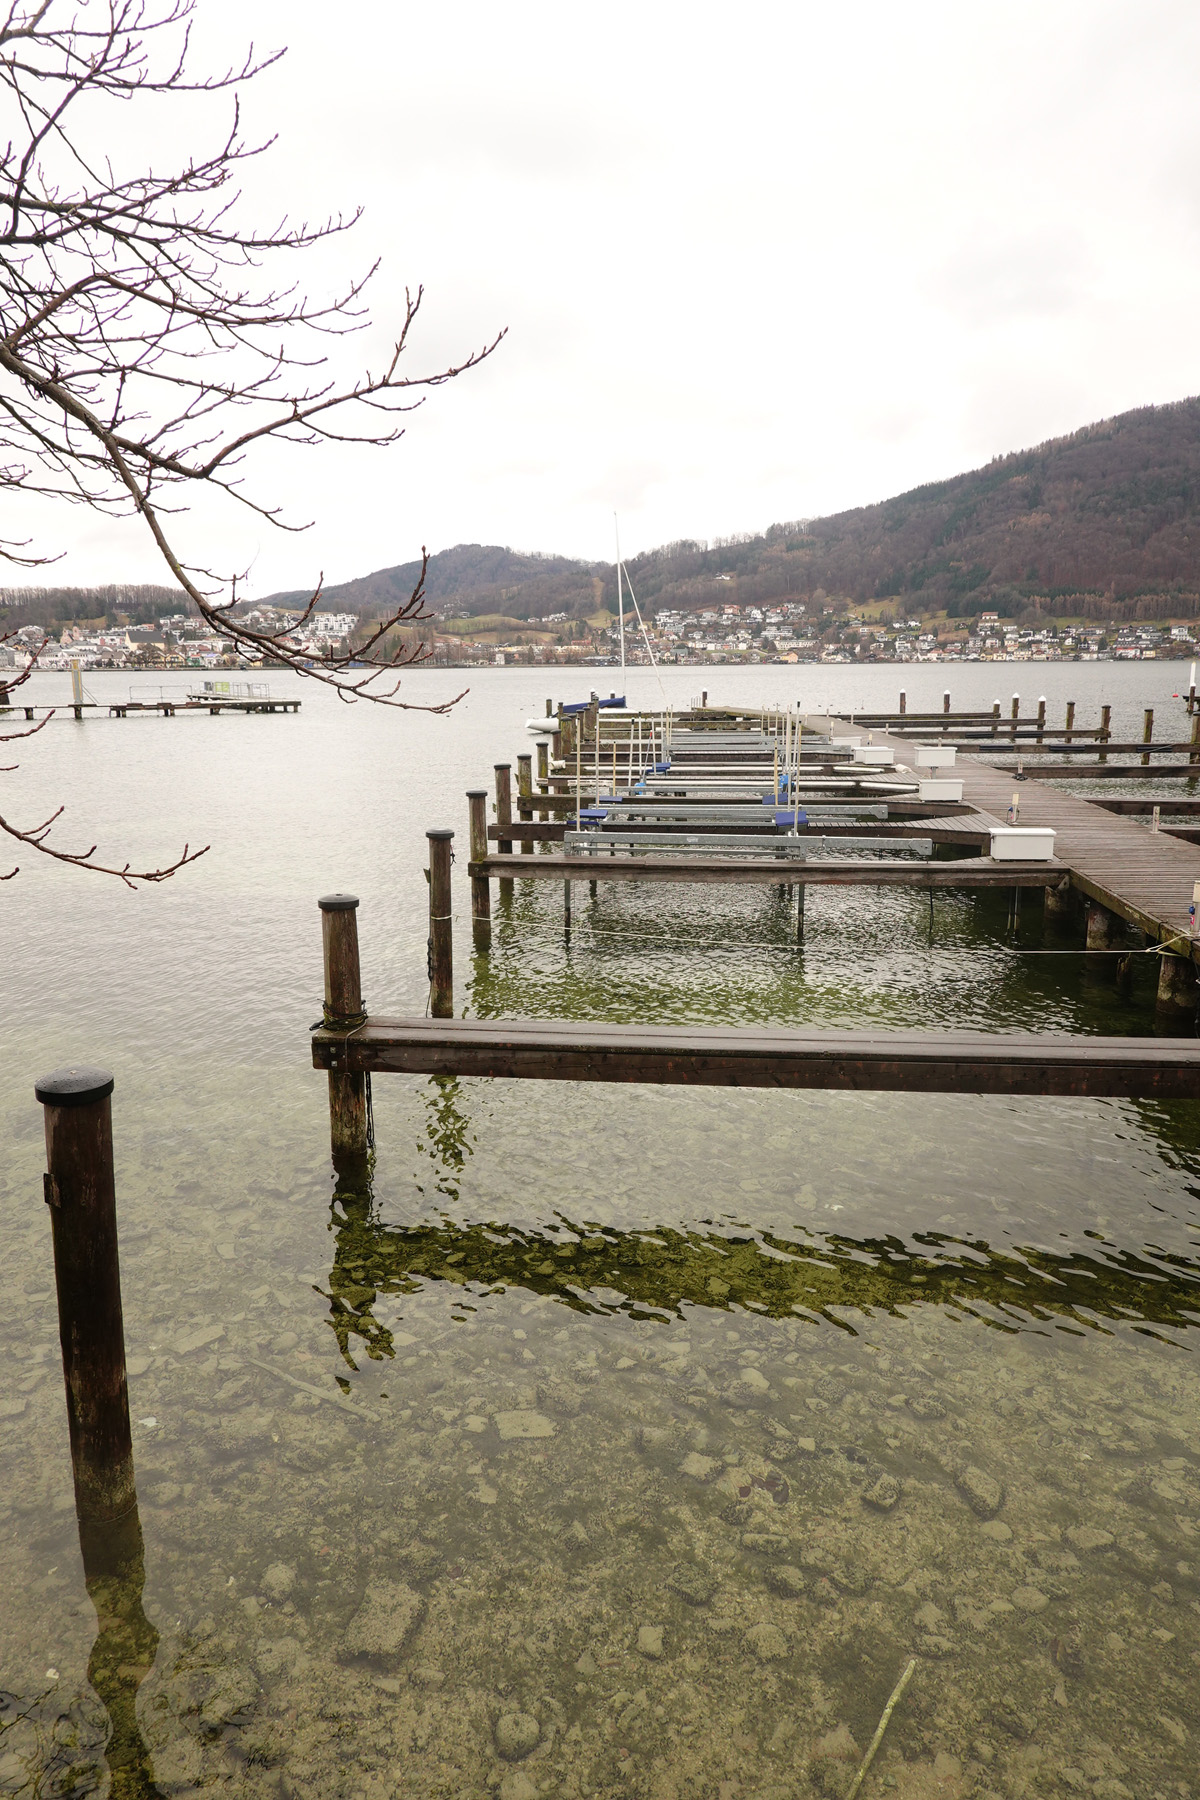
[
  {"x": 942, "y": 1062},
  {"x": 1145, "y": 877}
]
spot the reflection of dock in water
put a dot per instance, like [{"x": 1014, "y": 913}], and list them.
[{"x": 658, "y": 1272}]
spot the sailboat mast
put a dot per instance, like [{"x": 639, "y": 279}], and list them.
[{"x": 620, "y": 598}]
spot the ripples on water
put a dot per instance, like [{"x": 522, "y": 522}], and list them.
[{"x": 594, "y": 1441}]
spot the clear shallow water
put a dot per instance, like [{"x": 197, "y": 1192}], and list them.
[{"x": 672, "y": 1422}]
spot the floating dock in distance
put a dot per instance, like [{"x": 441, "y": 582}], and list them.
[{"x": 927, "y": 1062}]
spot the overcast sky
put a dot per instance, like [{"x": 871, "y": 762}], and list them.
[{"x": 757, "y": 262}]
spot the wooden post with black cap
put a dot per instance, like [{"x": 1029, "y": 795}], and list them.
[
  {"x": 81, "y": 1193},
  {"x": 344, "y": 1011}
]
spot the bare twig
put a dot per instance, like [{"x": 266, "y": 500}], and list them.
[
  {"x": 145, "y": 352},
  {"x": 36, "y": 839},
  {"x": 888, "y": 1710}
]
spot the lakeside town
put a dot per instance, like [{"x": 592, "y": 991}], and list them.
[{"x": 789, "y": 632}]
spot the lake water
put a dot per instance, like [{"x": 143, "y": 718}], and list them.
[{"x": 616, "y": 1442}]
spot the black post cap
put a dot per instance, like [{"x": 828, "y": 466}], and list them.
[
  {"x": 442, "y": 833},
  {"x": 502, "y": 765},
  {"x": 338, "y": 902},
  {"x": 80, "y": 1085},
  {"x": 477, "y": 793}
]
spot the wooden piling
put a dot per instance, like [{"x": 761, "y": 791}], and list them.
[
  {"x": 504, "y": 817},
  {"x": 1176, "y": 997},
  {"x": 1147, "y": 731},
  {"x": 504, "y": 803},
  {"x": 441, "y": 926},
  {"x": 1194, "y": 752},
  {"x": 80, "y": 1191},
  {"x": 481, "y": 897},
  {"x": 1105, "y": 731},
  {"x": 344, "y": 1011},
  {"x": 1104, "y": 932},
  {"x": 995, "y": 717},
  {"x": 903, "y": 701},
  {"x": 946, "y": 701},
  {"x": 1070, "y": 726},
  {"x": 525, "y": 796},
  {"x": 1016, "y": 712},
  {"x": 1059, "y": 902},
  {"x": 1041, "y": 718}
]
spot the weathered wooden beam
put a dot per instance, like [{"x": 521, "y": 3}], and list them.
[
  {"x": 956, "y": 1062},
  {"x": 967, "y": 872}
]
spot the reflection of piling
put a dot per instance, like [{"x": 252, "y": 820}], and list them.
[
  {"x": 344, "y": 1011},
  {"x": 125, "y": 1647},
  {"x": 481, "y": 896},
  {"x": 441, "y": 926},
  {"x": 81, "y": 1194}
]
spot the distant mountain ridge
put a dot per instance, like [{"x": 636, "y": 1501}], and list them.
[
  {"x": 1108, "y": 517},
  {"x": 1104, "y": 523}
]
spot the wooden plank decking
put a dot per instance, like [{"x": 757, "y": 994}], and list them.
[
  {"x": 1146, "y": 877},
  {"x": 947, "y": 1062}
]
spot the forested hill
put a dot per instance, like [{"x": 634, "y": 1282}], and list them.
[
  {"x": 1112, "y": 512},
  {"x": 473, "y": 579},
  {"x": 1105, "y": 522}
]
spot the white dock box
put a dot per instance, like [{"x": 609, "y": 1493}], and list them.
[
  {"x": 878, "y": 755},
  {"x": 845, "y": 743},
  {"x": 934, "y": 756},
  {"x": 940, "y": 787},
  {"x": 1022, "y": 843}
]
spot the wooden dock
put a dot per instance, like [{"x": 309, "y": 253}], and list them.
[
  {"x": 964, "y": 872},
  {"x": 1146, "y": 878},
  {"x": 943, "y": 1062},
  {"x": 1129, "y": 876}
]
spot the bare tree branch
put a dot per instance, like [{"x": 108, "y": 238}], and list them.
[{"x": 145, "y": 350}]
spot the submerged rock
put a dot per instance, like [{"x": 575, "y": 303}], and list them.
[
  {"x": 650, "y": 1641},
  {"x": 981, "y": 1491},
  {"x": 523, "y": 1424},
  {"x": 787, "y": 1581},
  {"x": 278, "y": 1581},
  {"x": 767, "y": 1642},
  {"x": 386, "y": 1620},
  {"x": 691, "y": 1585},
  {"x": 516, "y": 1735},
  {"x": 883, "y": 1493}
]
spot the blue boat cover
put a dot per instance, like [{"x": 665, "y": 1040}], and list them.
[
  {"x": 579, "y": 706},
  {"x": 793, "y": 815}
]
